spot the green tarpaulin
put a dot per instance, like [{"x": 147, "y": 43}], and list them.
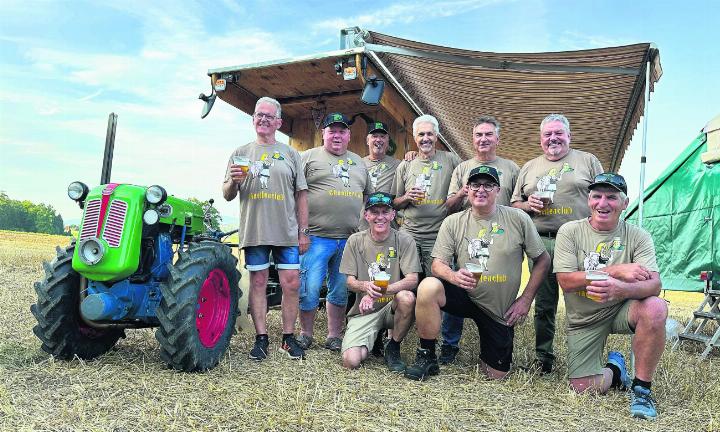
[{"x": 682, "y": 213}]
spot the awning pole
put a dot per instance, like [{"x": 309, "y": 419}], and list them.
[{"x": 643, "y": 158}]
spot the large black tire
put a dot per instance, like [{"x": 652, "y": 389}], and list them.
[
  {"x": 57, "y": 311},
  {"x": 188, "y": 343}
]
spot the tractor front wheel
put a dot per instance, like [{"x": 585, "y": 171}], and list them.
[
  {"x": 199, "y": 307},
  {"x": 60, "y": 327}
]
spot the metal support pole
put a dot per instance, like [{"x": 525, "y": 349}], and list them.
[{"x": 643, "y": 158}]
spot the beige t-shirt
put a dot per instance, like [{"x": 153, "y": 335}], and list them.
[
  {"x": 581, "y": 247},
  {"x": 496, "y": 243},
  {"x": 364, "y": 256},
  {"x": 507, "y": 170},
  {"x": 423, "y": 220},
  {"x": 381, "y": 173},
  {"x": 566, "y": 179},
  {"x": 267, "y": 195},
  {"x": 336, "y": 185}
]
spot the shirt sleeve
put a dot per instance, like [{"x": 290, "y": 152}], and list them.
[
  {"x": 444, "y": 248},
  {"x": 645, "y": 251},
  {"x": 348, "y": 262},
  {"x": 455, "y": 182},
  {"x": 519, "y": 185},
  {"x": 566, "y": 249},
  {"x": 409, "y": 259},
  {"x": 399, "y": 181},
  {"x": 534, "y": 246}
]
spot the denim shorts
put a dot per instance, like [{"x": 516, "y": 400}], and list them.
[
  {"x": 285, "y": 257},
  {"x": 321, "y": 261}
]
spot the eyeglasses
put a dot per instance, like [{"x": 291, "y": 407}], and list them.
[
  {"x": 488, "y": 187},
  {"x": 261, "y": 116},
  {"x": 609, "y": 178},
  {"x": 379, "y": 199}
]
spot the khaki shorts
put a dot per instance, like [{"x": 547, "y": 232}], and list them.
[
  {"x": 363, "y": 329},
  {"x": 586, "y": 346}
]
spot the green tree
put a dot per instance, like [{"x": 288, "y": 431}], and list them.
[
  {"x": 213, "y": 215},
  {"x": 27, "y": 216}
]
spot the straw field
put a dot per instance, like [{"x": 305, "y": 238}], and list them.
[{"x": 130, "y": 389}]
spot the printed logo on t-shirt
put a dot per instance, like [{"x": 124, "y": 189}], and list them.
[
  {"x": 548, "y": 182},
  {"x": 603, "y": 254},
  {"x": 375, "y": 173},
  {"x": 479, "y": 248},
  {"x": 261, "y": 168},
  {"x": 341, "y": 170}
]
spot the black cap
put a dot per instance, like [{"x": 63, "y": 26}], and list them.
[
  {"x": 615, "y": 181},
  {"x": 484, "y": 171},
  {"x": 377, "y": 126},
  {"x": 379, "y": 198},
  {"x": 336, "y": 118}
]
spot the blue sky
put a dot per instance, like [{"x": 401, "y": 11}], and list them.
[{"x": 65, "y": 65}]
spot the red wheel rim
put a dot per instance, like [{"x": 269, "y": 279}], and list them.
[{"x": 213, "y": 308}]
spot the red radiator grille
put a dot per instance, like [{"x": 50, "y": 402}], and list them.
[
  {"x": 90, "y": 223},
  {"x": 115, "y": 223}
]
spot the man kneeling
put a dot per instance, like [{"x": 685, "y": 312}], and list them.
[
  {"x": 488, "y": 242},
  {"x": 382, "y": 267},
  {"x": 609, "y": 276}
]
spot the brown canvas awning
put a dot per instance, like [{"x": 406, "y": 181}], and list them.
[{"x": 601, "y": 91}]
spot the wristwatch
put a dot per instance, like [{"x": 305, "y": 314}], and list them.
[{"x": 305, "y": 232}]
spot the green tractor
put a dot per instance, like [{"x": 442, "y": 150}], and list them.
[{"x": 141, "y": 259}]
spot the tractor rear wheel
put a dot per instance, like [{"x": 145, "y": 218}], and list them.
[
  {"x": 60, "y": 327},
  {"x": 199, "y": 307}
]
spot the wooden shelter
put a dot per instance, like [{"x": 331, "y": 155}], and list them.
[{"x": 600, "y": 91}]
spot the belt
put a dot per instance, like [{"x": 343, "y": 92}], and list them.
[{"x": 549, "y": 234}]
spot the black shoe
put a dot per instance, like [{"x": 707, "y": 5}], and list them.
[
  {"x": 260, "y": 350},
  {"x": 378, "y": 348},
  {"x": 425, "y": 365},
  {"x": 539, "y": 367},
  {"x": 393, "y": 360},
  {"x": 291, "y": 347},
  {"x": 447, "y": 354}
]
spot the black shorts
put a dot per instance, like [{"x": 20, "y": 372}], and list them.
[{"x": 496, "y": 340}]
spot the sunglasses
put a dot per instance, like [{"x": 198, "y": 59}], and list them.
[{"x": 379, "y": 199}]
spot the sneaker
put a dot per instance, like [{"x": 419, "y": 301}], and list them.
[
  {"x": 304, "y": 341},
  {"x": 393, "y": 360},
  {"x": 425, "y": 365},
  {"x": 378, "y": 349},
  {"x": 539, "y": 367},
  {"x": 447, "y": 354},
  {"x": 616, "y": 358},
  {"x": 333, "y": 344},
  {"x": 642, "y": 404},
  {"x": 260, "y": 350},
  {"x": 292, "y": 348}
]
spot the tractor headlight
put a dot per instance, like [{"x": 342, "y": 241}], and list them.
[
  {"x": 77, "y": 191},
  {"x": 151, "y": 217},
  {"x": 91, "y": 251},
  {"x": 155, "y": 195}
]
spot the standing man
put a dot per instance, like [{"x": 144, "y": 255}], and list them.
[
  {"x": 491, "y": 240},
  {"x": 380, "y": 166},
  {"x": 370, "y": 254},
  {"x": 270, "y": 185},
  {"x": 338, "y": 184},
  {"x": 623, "y": 298},
  {"x": 552, "y": 189},
  {"x": 421, "y": 187},
  {"x": 486, "y": 138}
]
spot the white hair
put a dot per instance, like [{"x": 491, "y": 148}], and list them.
[
  {"x": 556, "y": 117},
  {"x": 426, "y": 118},
  {"x": 272, "y": 102}
]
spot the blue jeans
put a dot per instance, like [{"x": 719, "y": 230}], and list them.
[
  {"x": 452, "y": 327},
  {"x": 322, "y": 260}
]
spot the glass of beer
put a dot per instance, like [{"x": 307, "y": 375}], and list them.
[
  {"x": 594, "y": 275},
  {"x": 475, "y": 269},
  {"x": 382, "y": 280},
  {"x": 242, "y": 161},
  {"x": 543, "y": 196}
]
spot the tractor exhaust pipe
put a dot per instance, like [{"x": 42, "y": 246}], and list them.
[{"x": 109, "y": 147}]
